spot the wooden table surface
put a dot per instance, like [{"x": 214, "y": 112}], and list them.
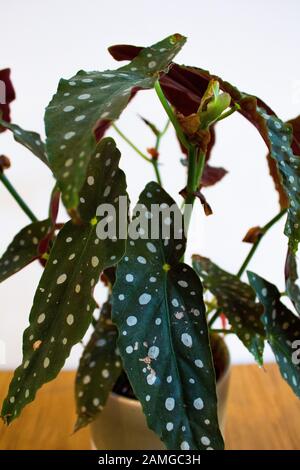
[{"x": 262, "y": 413}]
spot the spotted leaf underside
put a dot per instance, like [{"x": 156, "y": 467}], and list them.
[
  {"x": 24, "y": 248},
  {"x": 163, "y": 336},
  {"x": 282, "y": 330},
  {"x": 88, "y": 99},
  {"x": 63, "y": 304},
  {"x": 31, "y": 140},
  {"x": 185, "y": 86},
  {"x": 284, "y": 166},
  {"x": 237, "y": 301},
  {"x": 99, "y": 369}
]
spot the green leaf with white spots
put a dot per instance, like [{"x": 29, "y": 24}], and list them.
[
  {"x": 24, "y": 248},
  {"x": 31, "y": 140},
  {"x": 163, "y": 337},
  {"x": 282, "y": 330},
  {"x": 237, "y": 301},
  {"x": 99, "y": 369},
  {"x": 63, "y": 304},
  {"x": 83, "y": 101},
  {"x": 292, "y": 280},
  {"x": 280, "y": 137}
]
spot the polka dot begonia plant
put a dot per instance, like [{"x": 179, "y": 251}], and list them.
[{"x": 156, "y": 326}]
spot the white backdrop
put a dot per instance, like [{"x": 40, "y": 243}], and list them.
[{"x": 252, "y": 44}]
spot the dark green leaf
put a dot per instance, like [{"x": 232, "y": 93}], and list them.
[
  {"x": 237, "y": 301},
  {"x": 99, "y": 368},
  {"x": 280, "y": 136},
  {"x": 163, "y": 336},
  {"x": 24, "y": 248},
  {"x": 282, "y": 330},
  {"x": 291, "y": 279},
  {"x": 89, "y": 97},
  {"x": 31, "y": 140},
  {"x": 64, "y": 303}
]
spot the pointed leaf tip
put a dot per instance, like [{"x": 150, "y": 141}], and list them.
[
  {"x": 282, "y": 330},
  {"x": 99, "y": 369},
  {"x": 237, "y": 301},
  {"x": 64, "y": 303},
  {"x": 24, "y": 248},
  {"x": 31, "y": 140},
  {"x": 84, "y": 101},
  {"x": 163, "y": 336}
]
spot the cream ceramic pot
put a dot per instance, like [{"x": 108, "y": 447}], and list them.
[{"x": 122, "y": 424}]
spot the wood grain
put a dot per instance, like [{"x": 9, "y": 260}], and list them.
[{"x": 262, "y": 413}]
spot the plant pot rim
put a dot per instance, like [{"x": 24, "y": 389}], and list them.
[{"x": 223, "y": 377}]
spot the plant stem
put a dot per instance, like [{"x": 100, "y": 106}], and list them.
[
  {"x": 161, "y": 134},
  {"x": 165, "y": 128},
  {"x": 157, "y": 173},
  {"x": 157, "y": 144},
  {"x": 17, "y": 197},
  {"x": 171, "y": 115},
  {"x": 220, "y": 330},
  {"x": 195, "y": 166},
  {"x": 228, "y": 113},
  {"x": 139, "y": 152},
  {"x": 190, "y": 189},
  {"x": 131, "y": 144},
  {"x": 214, "y": 317},
  {"x": 264, "y": 230},
  {"x": 200, "y": 169},
  {"x": 195, "y": 172}
]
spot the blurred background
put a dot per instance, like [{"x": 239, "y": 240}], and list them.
[{"x": 251, "y": 44}]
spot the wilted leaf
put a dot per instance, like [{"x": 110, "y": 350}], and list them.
[
  {"x": 199, "y": 195},
  {"x": 212, "y": 175},
  {"x": 64, "y": 303},
  {"x": 99, "y": 368},
  {"x": 31, "y": 140},
  {"x": 189, "y": 124},
  {"x": 163, "y": 336},
  {"x": 24, "y": 248},
  {"x": 205, "y": 204},
  {"x": 282, "y": 330},
  {"x": 237, "y": 301},
  {"x": 80, "y": 104},
  {"x": 253, "y": 235},
  {"x": 4, "y": 163}
]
